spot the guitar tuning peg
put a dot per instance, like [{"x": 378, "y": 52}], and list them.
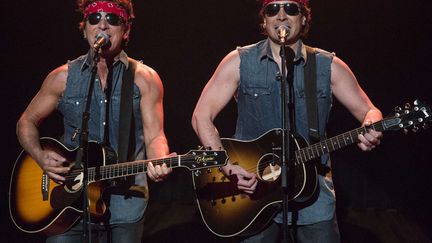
[
  {"x": 416, "y": 102},
  {"x": 407, "y": 105},
  {"x": 414, "y": 129},
  {"x": 398, "y": 109}
]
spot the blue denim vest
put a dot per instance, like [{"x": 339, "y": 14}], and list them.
[
  {"x": 123, "y": 208},
  {"x": 258, "y": 104}
]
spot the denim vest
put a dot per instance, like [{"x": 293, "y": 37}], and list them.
[
  {"x": 258, "y": 105},
  {"x": 123, "y": 207}
]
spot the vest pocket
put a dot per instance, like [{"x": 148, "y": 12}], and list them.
[
  {"x": 71, "y": 109},
  {"x": 258, "y": 103}
]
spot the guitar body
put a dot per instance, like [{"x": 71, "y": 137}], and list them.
[
  {"x": 56, "y": 210},
  {"x": 226, "y": 211}
]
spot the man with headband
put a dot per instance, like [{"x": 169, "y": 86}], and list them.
[
  {"x": 106, "y": 26},
  {"x": 250, "y": 74}
]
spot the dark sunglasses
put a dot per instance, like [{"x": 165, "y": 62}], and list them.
[
  {"x": 272, "y": 9},
  {"x": 111, "y": 18}
]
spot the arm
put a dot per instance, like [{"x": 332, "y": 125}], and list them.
[
  {"x": 216, "y": 94},
  {"x": 347, "y": 90},
  {"x": 151, "y": 106},
  {"x": 42, "y": 105}
]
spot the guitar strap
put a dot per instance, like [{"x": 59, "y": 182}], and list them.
[
  {"x": 126, "y": 145},
  {"x": 310, "y": 84}
]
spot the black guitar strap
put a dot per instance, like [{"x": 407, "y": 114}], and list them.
[
  {"x": 311, "y": 102},
  {"x": 126, "y": 145},
  {"x": 310, "y": 84}
]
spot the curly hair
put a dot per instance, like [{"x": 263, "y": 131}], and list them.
[
  {"x": 126, "y": 4},
  {"x": 305, "y": 10}
]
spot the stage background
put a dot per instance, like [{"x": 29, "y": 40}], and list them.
[{"x": 382, "y": 195}]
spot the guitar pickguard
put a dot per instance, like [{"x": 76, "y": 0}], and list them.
[
  {"x": 75, "y": 184},
  {"x": 269, "y": 169}
]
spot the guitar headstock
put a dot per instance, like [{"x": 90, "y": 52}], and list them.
[
  {"x": 204, "y": 159},
  {"x": 410, "y": 117}
]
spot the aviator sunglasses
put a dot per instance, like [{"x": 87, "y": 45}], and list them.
[
  {"x": 111, "y": 18},
  {"x": 272, "y": 9}
]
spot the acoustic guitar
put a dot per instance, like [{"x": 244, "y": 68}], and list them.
[
  {"x": 40, "y": 205},
  {"x": 227, "y": 211}
]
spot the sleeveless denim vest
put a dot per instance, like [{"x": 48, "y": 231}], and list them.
[
  {"x": 258, "y": 105},
  {"x": 123, "y": 208}
]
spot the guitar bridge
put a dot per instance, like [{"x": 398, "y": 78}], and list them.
[{"x": 45, "y": 187}]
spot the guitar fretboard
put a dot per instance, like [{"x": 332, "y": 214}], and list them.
[
  {"x": 133, "y": 168},
  {"x": 329, "y": 145},
  {"x": 194, "y": 160}
]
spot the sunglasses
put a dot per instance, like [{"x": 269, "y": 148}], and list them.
[
  {"x": 111, "y": 18},
  {"x": 272, "y": 9}
]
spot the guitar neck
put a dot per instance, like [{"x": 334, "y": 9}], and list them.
[
  {"x": 133, "y": 168},
  {"x": 332, "y": 144}
]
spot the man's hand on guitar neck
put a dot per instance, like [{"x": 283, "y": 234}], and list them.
[
  {"x": 246, "y": 181},
  {"x": 371, "y": 139},
  {"x": 158, "y": 173}
]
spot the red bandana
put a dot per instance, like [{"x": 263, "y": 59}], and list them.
[
  {"x": 108, "y": 7},
  {"x": 304, "y": 2}
]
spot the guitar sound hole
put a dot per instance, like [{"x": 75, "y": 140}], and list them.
[{"x": 269, "y": 168}]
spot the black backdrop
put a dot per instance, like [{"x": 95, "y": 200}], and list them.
[{"x": 381, "y": 195}]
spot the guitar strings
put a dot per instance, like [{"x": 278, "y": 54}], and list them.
[
  {"x": 130, "y": 167},
  {"x": 301, "y": 156},
  {"x": 304, "y": 155}
]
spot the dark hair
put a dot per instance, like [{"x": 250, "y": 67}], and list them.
[
  {"x": 305, "y": 10},
  {"x": 126, "y": 4}
]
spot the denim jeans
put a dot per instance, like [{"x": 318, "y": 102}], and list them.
[
  {"x": 322, "y": 232},
  {"x": 115, "y": 233}
]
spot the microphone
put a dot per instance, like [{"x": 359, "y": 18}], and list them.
[
  {"x": 101, "y": 40},
  {"x": 283, "y": 32}
]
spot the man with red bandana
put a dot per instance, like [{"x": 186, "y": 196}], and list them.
[
  {"x": 250, "y": 74},
  {"x": 65, "y": 90}
]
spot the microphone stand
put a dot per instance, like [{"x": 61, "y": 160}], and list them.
[
  {"x": 82, "y": 153},
  {"x": 287, "y": 169}
]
